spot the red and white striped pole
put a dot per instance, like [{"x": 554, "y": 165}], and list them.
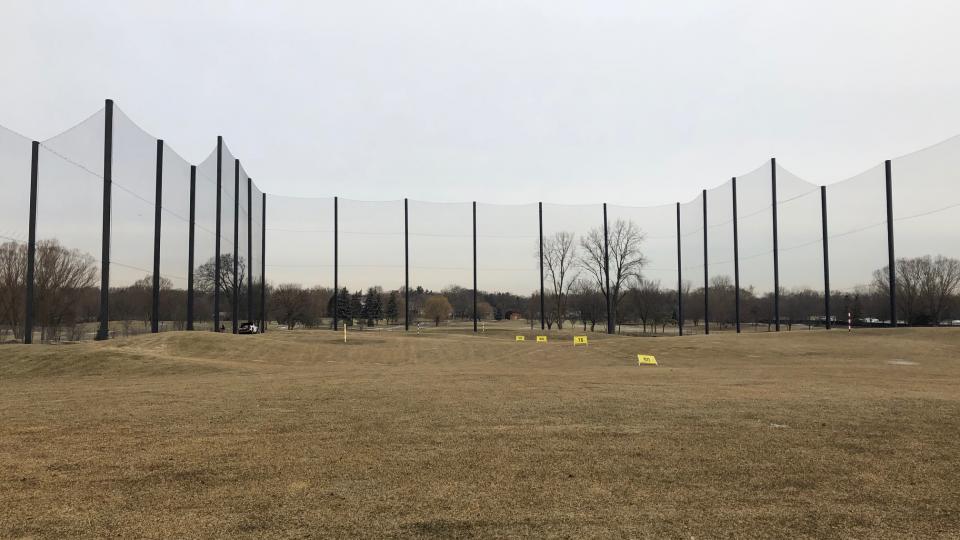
[{"x": 849, "y": 322}]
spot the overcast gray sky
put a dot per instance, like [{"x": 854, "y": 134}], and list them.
[{"x": 630, "y": 102}]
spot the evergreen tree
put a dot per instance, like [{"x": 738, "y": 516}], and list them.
[
  {"x": 373, "y": 306},
  {"x": 342, "y": 301},
  {"x": 393, "y": 310},
  {"x": 356, "y": 306}
]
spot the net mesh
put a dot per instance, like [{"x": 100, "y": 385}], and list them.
[
  {"x": 441, "y": 261},
  {"x": 856, "y": 213},
  {"x": 507, "y": 249},
  {"x": 926, "y": 211},
  {"x": 371, "y": 258},
  {"x": 507, "y": 259},
  {"x": 371, "y": 244},
  {"x": 69, "y": 232},
  {"x": 581, "y": 228},
  {"x": 755, "y": 233},
  {"x": 299, "y": 239},
  {"x": 229, "y": 171},
  {"x": 205, "y": 237},
  {"x": 132, "y": 225},
  {"x": 174, "y": 241},
  {"x": 299, "y": 259},
  {"x": 800, "y": 245},
  {"x": 15, "y": 157},
  {"x": 650, "y": 303},
  {"x": 720, "y": 257},
  {"x": 256, "y": 255},
  {"x": 926, "y": 201},
  {"x": 691, "y": 251},
  {"x": 244, "y": 272}
]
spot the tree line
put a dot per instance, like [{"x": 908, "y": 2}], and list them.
[{"x": 576, "y": 292}]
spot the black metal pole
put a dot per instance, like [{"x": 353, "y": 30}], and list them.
[
  {"x": 336, "y": 265},
  {"x": 216, "y": 261},
  {"x": 406, "y": 264},
  {"x": 190, "y": 254},
  {"x": 543, "y": 318},
  {"x": 31, "y": 243},
  {"x": 891, "y": 258},
  {"x": 263, "y": 263},
  {"x": 736, "y": 259},
  {"x": 249, "y": 249},
  {"x": 826, "y": 257},
  {"x": 706, "y": 271},
  {"x": 679, "y": 277},
  {"x": 474, "y": 266},
  {"x": 103, "y": 332},
  {"x": 235, "y": 304},
  {"x": 157, "y": 205},
  {"x": 776, "y": 254},
  {"x": 606, "y": 270}
]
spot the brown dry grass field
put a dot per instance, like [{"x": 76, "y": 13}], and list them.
[{"x": 297, "y": 435}]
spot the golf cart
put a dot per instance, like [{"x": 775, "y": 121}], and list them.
[{"x": 249, "y": 328}]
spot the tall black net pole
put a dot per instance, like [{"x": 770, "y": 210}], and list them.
[
  {"x": 891, "y": 258},
  {"x": 157, "y": 205},
  {"x": 543, "y": 309},
  {"x": 190, "y": 246},
  {"x": 336, "y": 268},
  {"x": 235, "y": 312},
  {"x": 103, "y": 331},
  {"x": 31, "y": 244},
  {"x": 249, "y": 249},
  {"x": 406, "y": 264},
  {"x": 706, "y": 271},
  {"x": 679, "y": 277},
  {"x": 736, "y": 258},
  {"x": 776, "y": 255},
  {"x": 606, "y": 270},
  {"x": 263, "y": 262},
  {"x": 826, "y": 257},
  {"x": 474, "y": 266},
  {"x": 216, "y": 260}
]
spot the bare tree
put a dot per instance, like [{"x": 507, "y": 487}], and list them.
[
  {"x": 626, "y": 260},
  {"x": 290, "y": 304},
  {"x": 135, "y": 302},
  {"x": 925, "y": 286},
  {"x": 648, "y": 300},
  {"x": 461, "y": 300},
  {"x": 560, "y": 267},
  {"x": 206, "y": 274},
  {"x": 941, "y": 285},
  {"x": 722, "y": 300},
  {"x": 13, "y": 270},
  {"x": 587, "y": 303},
  {"x": 61, "y": 277}
]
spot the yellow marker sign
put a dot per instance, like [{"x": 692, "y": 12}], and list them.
[
  {"x": 580, "y": 340},
  {"x": 521, "y": 338},
  {"x": 646, "y": 360},
  {"x": 541, "y": 339}
]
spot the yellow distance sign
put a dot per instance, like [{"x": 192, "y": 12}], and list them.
[
  {"x": 646, "y": 360},
  {"x": 521, "y": 338},
  {"x": 541, "y": 339},
  {"x": 580, "y": 340}
]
